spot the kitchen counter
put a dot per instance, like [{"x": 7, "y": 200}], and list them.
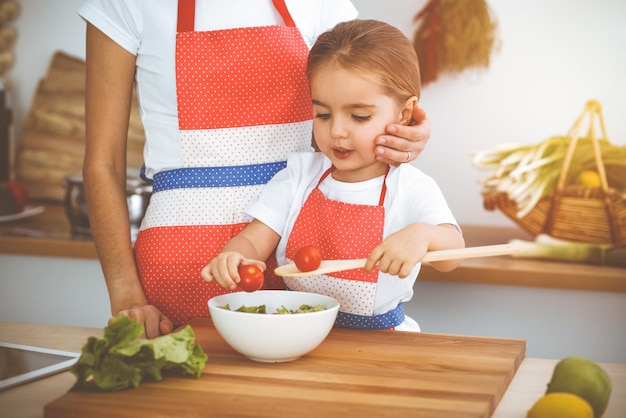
[
  {"x": 48, "y": 234},
  {"x": 28, "y": 401},
  {"x": 45, "y": 234}
]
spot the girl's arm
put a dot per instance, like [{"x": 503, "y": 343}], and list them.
[
  {"x": 402, "y": 250},
  {"x": 110, "y": 71},
  {"x": 256, "y": 242}
]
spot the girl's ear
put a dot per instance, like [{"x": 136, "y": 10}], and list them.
[{"x": 407, "y": 110}]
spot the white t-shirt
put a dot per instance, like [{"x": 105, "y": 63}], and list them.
[
  {"x": 147, "y": 29},
  {"x": 412, "y": 196}
]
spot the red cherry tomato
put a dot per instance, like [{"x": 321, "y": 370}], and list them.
[
  {"x": 251, "y": 277},
  {"x": 308, "y": 258}
]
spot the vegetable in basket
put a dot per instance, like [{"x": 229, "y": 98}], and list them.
[
  {"x": 527, "y": 173},
  {"x": 569, "y": 187}
]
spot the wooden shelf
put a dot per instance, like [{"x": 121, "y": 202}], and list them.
[
  {"x": 525, "y": 272},
  {"x": 49, "y": 234},
  {"x": 532, "y": 273}
]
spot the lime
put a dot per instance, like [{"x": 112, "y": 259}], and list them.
[{"x": 585, "y": 378}]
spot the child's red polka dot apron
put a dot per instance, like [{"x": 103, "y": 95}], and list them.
[
  {"x": 243, "y": 105},
  {"x": 343, "y": 231}
]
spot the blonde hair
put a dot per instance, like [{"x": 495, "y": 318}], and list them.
[{"x": 371, "y": 47}]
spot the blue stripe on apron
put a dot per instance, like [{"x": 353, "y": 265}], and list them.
[
  {"x": 387, "y": 320},
  {"x": 228, "y": 176}
]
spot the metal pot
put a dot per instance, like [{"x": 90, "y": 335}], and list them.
[{"x": 138, "y": 194}]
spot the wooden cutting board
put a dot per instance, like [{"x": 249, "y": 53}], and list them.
[
  {"x": 352, "y": 373},
  {"x": 52, "y": 142}
]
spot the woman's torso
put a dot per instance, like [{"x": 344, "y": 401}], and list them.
[{"x": 147, "y": 29}]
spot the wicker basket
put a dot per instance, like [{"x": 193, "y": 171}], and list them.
[{"x": 573, "y": 212}]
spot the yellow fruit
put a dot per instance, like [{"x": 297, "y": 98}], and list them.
[
  {"x": 582, "y": 377},
  {"x": 589, "y": 178},
  {"x": 560, "y": 405}
]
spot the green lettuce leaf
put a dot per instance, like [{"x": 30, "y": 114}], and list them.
[{"x": 122, "y": 360}]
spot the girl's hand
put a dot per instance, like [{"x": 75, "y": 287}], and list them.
[
  {"x": 223, "y": 269},
  {"x": 402, "y": 250},
  {"x": 153, "y": 321},
  {"x": 399, "y": 252},
  {"x": 403, "y": 143}
]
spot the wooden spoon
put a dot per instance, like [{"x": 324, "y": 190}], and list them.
[{"x": 329, "y": 266}]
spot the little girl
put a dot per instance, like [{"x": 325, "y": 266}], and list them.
[{"x": 363, "y": 75}]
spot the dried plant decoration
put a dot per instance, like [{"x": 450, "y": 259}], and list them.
[{"x": 453, "y": 35}]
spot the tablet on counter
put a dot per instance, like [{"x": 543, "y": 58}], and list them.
[{"x": 21, "y": 363}]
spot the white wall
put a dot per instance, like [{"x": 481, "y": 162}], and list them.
[
  {"x": 555, "y": 323},
  {"x": 48, "y": 290},
  {"x": 555, "y": 56}
]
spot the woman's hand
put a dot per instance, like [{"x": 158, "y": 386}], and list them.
[
  {"x": 153, "y": 321},
  {"x": 224, "y": 269},
  {"x": 403, "y": 143}
]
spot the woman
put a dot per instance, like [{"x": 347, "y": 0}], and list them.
[{"x": 223, "y": 98}]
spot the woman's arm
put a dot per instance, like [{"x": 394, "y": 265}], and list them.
[{"x": 109, "y": 90}]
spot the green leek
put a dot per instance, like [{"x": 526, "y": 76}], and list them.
[{"x": 546, "y": 247}]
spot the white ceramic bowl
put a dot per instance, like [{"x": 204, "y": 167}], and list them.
[{"x": 273, "y": 337}]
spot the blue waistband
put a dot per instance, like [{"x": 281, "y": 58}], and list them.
[
  {"x": 387, "y": 320},
  {"x": 231, "y": 176}
]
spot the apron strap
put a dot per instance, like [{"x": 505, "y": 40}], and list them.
[
  {"x": 284, "y": 13},
  {"x": 383, "y": 190},
  {"x": 326, "y": 173},
  {"x": 187, "y": 13}
]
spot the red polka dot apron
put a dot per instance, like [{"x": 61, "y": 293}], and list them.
[
  {"x": 243, "y": 106},
  {"x": 343, "y": 231}
]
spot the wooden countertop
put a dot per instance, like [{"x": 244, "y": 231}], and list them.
[
  {"x": 48, "y": 234},
  {"x": 358, "y": 372},
  {"x": 28, "y": 401}
]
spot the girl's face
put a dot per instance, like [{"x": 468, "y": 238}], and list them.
[{"x": 350, "y": 109}]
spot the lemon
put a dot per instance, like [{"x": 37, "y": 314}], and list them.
[
  {"x": 560, "y": 405},
  {"x": 582, "y": 377},
  {"x": 590, "y": 178}
]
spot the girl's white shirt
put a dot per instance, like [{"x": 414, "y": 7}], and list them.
[{"x": 412, "y": 196}]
